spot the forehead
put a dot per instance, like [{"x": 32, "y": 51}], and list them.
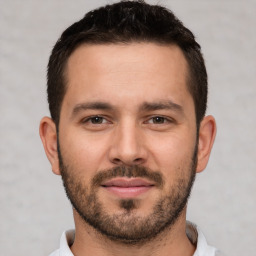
[
  {"x": 100, "y": 57},
  {"x": 126, "y": 72}
]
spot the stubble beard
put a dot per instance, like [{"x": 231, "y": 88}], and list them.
[{"x": 127, "y": 227}]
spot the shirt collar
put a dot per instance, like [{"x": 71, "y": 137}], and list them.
[
  {"x": 194, "y": 234},
  {"x": 66, "y": 241},
  {"x": 197, "y": 238}
]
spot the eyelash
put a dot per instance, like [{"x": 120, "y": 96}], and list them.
[
  {"x": 89, "y": 119},
  {"x": 164, "y": 120}
]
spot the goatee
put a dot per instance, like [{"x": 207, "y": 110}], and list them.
[{"x": 127, "y": 226}]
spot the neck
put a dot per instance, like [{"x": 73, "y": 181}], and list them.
[{"x": 172, "y": 241}]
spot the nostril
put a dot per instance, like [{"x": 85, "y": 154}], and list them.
[
  {"x": 137, "y": 160},
  {"x": 117, "y": 161},
  {"x": 132, "y": 162}
]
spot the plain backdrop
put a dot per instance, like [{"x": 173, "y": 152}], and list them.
[{"x": 34, "y": 209}]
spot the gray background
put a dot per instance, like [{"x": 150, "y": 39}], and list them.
[{"x": 34, "y": 210}]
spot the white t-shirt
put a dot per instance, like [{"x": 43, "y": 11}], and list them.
[{"x": 194, "y": 234}]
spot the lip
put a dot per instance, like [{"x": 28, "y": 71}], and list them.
[{"x": 127, "y": 187}]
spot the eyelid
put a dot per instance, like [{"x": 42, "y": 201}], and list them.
[
  {"x": 89, "y": 118},
  {"x": 167, "y": 119},
  {"x": 106, "y": 120}
]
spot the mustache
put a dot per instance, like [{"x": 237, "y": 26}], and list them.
[{"x": 129, "y": 172}]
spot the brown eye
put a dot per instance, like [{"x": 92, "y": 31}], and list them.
[
  {"x": 158, "y": 120},
  {"x": 97, "y": 120},
  {"x": 96, "y": 123}
]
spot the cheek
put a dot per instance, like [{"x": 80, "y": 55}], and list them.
[
  {"x": 172, "y": 145},
  {"x": 173, "y": 154},
  {"x": 84, "y": 152}
]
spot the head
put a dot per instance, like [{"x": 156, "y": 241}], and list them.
[
  {"x": 127, "y": 22},
  {"x": 127, "y": 90}
]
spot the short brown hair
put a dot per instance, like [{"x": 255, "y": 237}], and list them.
[{"x": 125, "y": 22}]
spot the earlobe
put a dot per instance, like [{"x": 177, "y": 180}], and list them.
[
  {"x": 48, "y": 134},
  {"x": 206, "y": 138}
]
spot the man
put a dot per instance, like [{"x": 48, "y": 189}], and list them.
[{"x": 127, "y": 92}]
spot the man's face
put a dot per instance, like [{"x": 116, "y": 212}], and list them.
[{"x": 127, "y": 137}]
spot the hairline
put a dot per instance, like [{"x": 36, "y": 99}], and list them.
[{"x": 64, "y": 73}]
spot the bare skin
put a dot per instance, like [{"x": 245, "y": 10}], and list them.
[{"x": 131, "y": 80}]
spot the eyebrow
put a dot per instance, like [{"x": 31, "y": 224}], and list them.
[
  {"x": 169, "y": 105},
  {"x": 91, "y": 106},
  {"x": 146, "y": 106}
]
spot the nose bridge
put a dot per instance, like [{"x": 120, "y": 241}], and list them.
[{"x": 126, "y": 146}]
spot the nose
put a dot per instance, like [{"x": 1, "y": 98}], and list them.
[{"x": 127, "y": 146}]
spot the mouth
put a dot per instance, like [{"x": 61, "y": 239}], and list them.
[{"x": 128, "y": 187}]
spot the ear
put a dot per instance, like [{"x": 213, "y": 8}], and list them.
[
  {"x": 206, "y": 138},
  {"x": 48, "y": 134}
]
